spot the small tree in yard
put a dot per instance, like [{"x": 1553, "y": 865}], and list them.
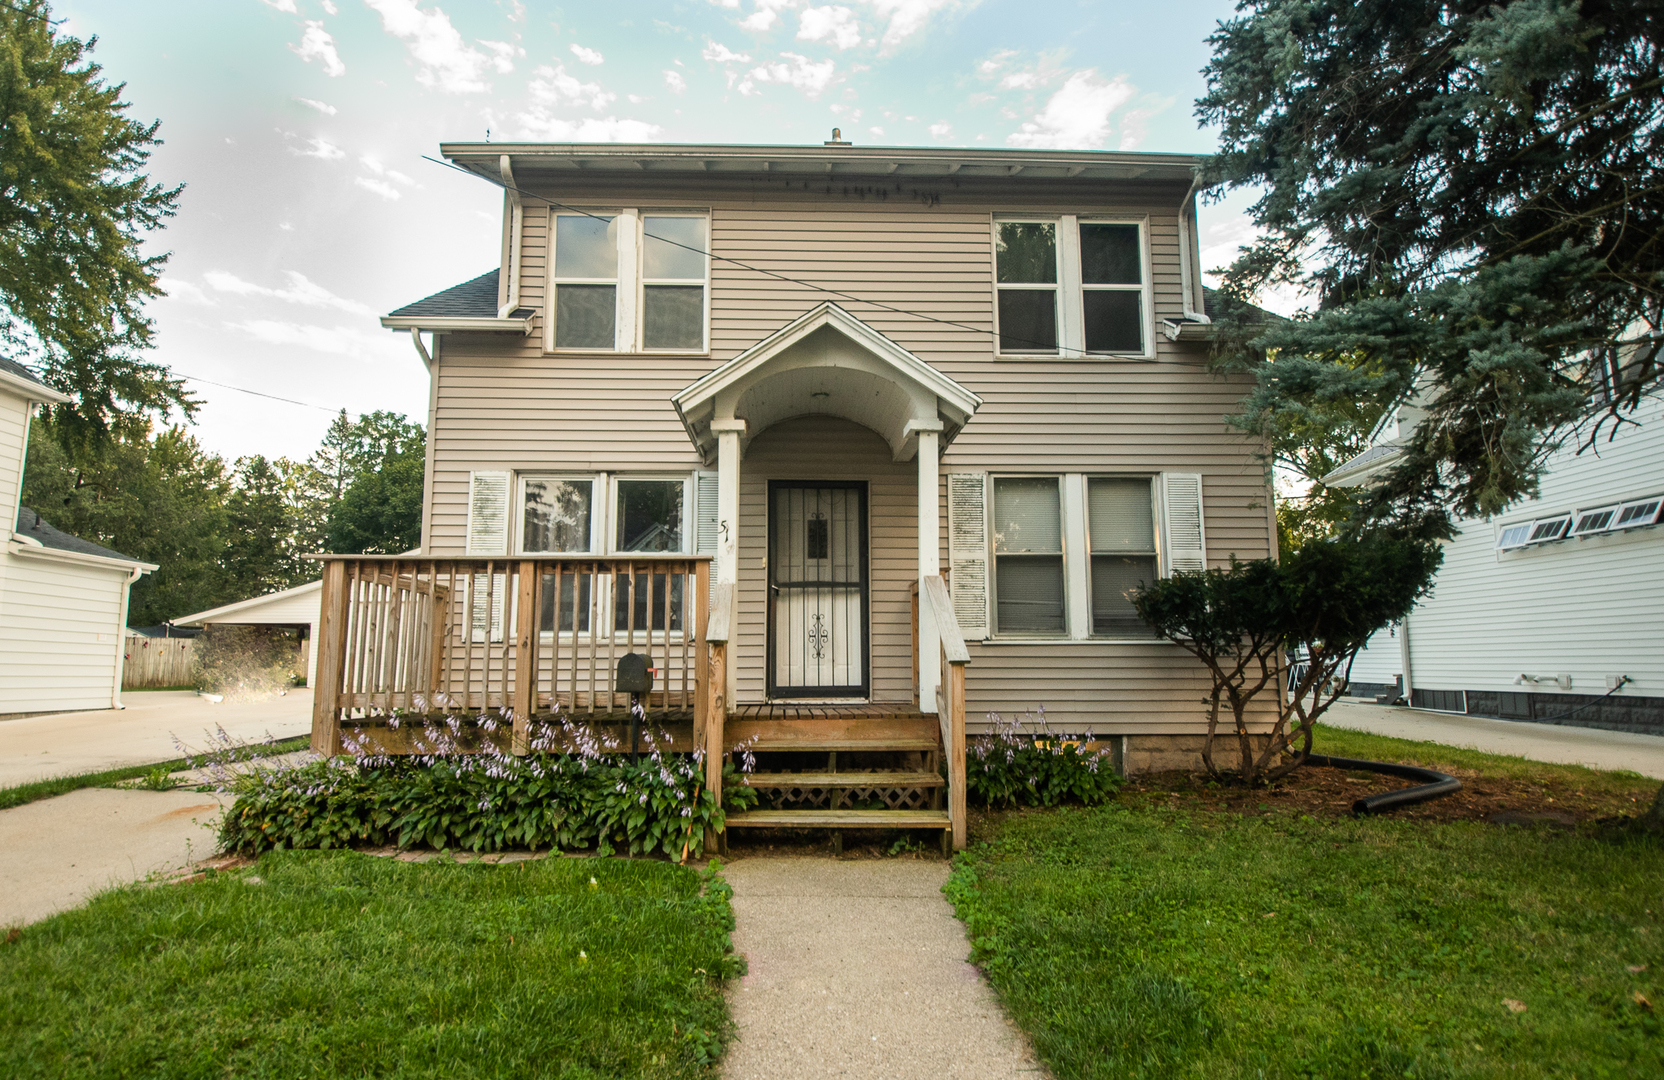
[{"x": 1327, "y": 597}]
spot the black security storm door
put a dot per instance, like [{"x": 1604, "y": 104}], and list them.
[{"x": 817, "y": 586}]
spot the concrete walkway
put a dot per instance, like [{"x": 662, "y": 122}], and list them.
[
  {"x": 858, "y": 969},
  {"x": 56, "y": 853},
  {"x": 70, "y": 744},
  {"x": 1554, "y": 743}
]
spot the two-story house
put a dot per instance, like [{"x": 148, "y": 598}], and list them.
[{"x": 841, "y": 373}]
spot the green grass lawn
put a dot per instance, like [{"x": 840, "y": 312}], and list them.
[
  {"x": 1172, "y": 938},
  {"x": 341, "y": 964}
]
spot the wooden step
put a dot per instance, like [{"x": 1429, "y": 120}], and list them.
[
  {"x": 875, "y": 745},
  {"x": 845, "y": 780},
  {"x": 841, "y": 819}
]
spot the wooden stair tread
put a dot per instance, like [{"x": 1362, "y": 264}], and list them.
[
  {"x": 849, "y": 819},
  {"x": 845, "y": 779},
  {"x": 876, "y": 745}
]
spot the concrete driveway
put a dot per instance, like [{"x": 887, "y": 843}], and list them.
[
  {"x": 1554, "y": 743},
  {"x": 69, "y": 744}
]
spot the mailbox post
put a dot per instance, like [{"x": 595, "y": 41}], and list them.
[{"x": 634, "y": 678}]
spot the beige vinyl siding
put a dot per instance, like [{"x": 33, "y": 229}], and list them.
[
  {"x": 802, "y": 450},
  {"x": 60, "y": 626},
  {"x": 502, "y": 403}
]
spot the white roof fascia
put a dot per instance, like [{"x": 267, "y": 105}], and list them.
[
  {"x": 214, "y": 614},
  {"x": 441, "y": 325},
  {"x": 1362, "y": 467},
  {"x": 36, "y": 550},
  {"x": 33, "y": 391}
]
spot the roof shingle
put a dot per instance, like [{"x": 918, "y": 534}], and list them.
[
  {"x": 35, "y": 527},
  {"x": 476, "y": 299}
]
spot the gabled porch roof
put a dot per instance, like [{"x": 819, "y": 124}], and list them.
[{"x": 827, "y": 363}]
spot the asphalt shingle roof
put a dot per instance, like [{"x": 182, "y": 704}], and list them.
[
  {"x": 12, "y": 367},
  {"x": 476, "y": 299},
  {"x": 35, "y": 527}
]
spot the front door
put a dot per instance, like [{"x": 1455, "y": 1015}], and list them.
[{"x": 817, "y": 586}]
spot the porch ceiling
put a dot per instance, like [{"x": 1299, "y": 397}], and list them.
[{"x": 827, "y": 363}]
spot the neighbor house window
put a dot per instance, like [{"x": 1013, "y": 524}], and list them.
[
  {"x": 1121, "y": 536},
  {"x": 1071, "y": 287},
  {"x": 673, "y": 263},
  {"x": 626, "y": 281},
  {"x": 1028, "y": 556},
  {"x": 1025, "y": 267},
  {"x": 586, "y": 281}
]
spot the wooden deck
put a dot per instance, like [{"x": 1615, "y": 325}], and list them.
[{"x": 802, "y": 710}]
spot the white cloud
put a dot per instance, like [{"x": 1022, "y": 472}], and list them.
[
  {"x": 1077, "y": 116},
  {"x": 537, "y": 125},
  {"x": 186, "y": 291},
  {"x": 552, "y": 85},
  {"x": 330, "y": 8},
  {"x": 377, "y": 187},
  {"x": 323, "y": 107},
  {"x": 722, "y": 54},
  {"x": 319, "y": 148},
  {"x": 300, "y": 290},
  {"x": 379, "y": 169},
  {"x": 517, "y": 13},
  {"x": 833, "y": 24},
  {"x": 286, "y": 6},
  {"x": 316, "y": 44},
  {"x": 674, "y": 80},
  {"x": 587, "y": 56},
  {"x": 1020, "y": 80},
  {"x": 907, "y": 17},
  {"x": 445, "y": 62},
  {"x": 941, "y": 129},
  {"x": 876, "y": 130},
  {"x": 995, "y": 62},
  {"x": 503, "y": 54},
  {"x": 726, "y": 3},
  {"x": 797, "y": 71},
  {"x": 338, "y": 340}
]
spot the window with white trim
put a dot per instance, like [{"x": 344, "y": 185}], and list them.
[
  {"x": 1121, "y": 536},
  {"x": 629, "y": 281},
  {"x": 1071, "y": 286},
  {"x": 1028, "y": 556}
]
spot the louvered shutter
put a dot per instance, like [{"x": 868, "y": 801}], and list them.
[
  {"x": 488, "y": 513},
  {"x": 968, "y": 552},
  {"x": 1182, "y": 518},
  {"x": 486, "y": 607},
  {"x": 705, "y": 514}
]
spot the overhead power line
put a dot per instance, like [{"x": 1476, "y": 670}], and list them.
[{"x": 256, "y": 393}]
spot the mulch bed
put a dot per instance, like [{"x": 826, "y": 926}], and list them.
[{"x": 1323, "y": 792}]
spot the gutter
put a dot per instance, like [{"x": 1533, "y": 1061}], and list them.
[
  {"x": 513, "y": 323},
  {"x": 421, "y": 350},
  {"x": 21, "y": 545},
  {"x": 32, "y": 391}
]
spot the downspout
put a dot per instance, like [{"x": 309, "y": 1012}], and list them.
[
  {"x": 516, "y": 220},
  {"x": 421, "y": 350},
  {"x": 1404, "y": 659},
  {"x": 121, "y": 637},
  {"x": 1189, "y": 273}
]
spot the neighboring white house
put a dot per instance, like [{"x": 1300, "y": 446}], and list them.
[
  {"x": 295, "y": 609},
  {"x": 63, "y": 600},
  {"x": 1538, "y": 614}
]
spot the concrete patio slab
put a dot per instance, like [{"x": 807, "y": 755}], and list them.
[
  {"x": 859, "y": 969},
  {"x": 56, "y": 853},
  {"x": 69, "y": 744},
  {"x": 1555, "y": 743}
]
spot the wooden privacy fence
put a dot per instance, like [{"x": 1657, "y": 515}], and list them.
[
  {"x": 516, "y": 636},
  {"x": 154, "y": 662}
]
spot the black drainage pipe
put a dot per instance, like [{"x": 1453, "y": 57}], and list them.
[{"x": 1434, "y": 785}]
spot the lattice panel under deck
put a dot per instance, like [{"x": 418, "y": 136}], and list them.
[{"x": 820, "y": 798}]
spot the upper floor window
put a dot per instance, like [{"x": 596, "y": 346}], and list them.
[
  {"x": 629, "y": 281},
  {"x": 1071, "y": 286}
]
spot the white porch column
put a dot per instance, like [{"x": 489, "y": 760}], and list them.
[
  {"x": 930, "y": 563},
  {"x": 727, "y": 434}
]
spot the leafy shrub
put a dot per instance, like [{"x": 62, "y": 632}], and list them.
[
  {"x": 1018, "y": 765},
  {"x": 248, "y": 661},
  {"x": 583, "y": 797}
]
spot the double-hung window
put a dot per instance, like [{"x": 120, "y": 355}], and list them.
[
  {"x": 1121, "y": 536},
  {"x": 557, "y": 517},
  {"x": 649, "y": 519},
  {"x": 629, "y": 281},
  {"x": 1071, "y": 286},
  {"x": 1028, "y": 556}
]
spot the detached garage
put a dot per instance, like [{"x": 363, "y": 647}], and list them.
[{"x": 291, "y": 609}]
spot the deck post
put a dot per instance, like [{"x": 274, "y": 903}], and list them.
[
  {"x": 956, "y": 754},
  {"x": 525, "y": 656},
  {"x": 716, "y": 695},
  {"x": 332, "y": 654}
]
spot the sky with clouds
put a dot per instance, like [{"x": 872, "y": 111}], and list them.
[{"x": 299, "y": 129}]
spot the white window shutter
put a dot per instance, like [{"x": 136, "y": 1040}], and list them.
[
  {"x": 487, "y": 591},
  {"x": 968, "y": 552},
  {"x": 488, "y": 513},
  {"x": 705, "y": 517},
  {"x": 1181, "y": 515}
]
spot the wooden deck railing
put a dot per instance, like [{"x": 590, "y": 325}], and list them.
[
  {"x": 401, "y": 635},
  {"x": 950, "y": 695},
  {"x": 708, "y": 731}
]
